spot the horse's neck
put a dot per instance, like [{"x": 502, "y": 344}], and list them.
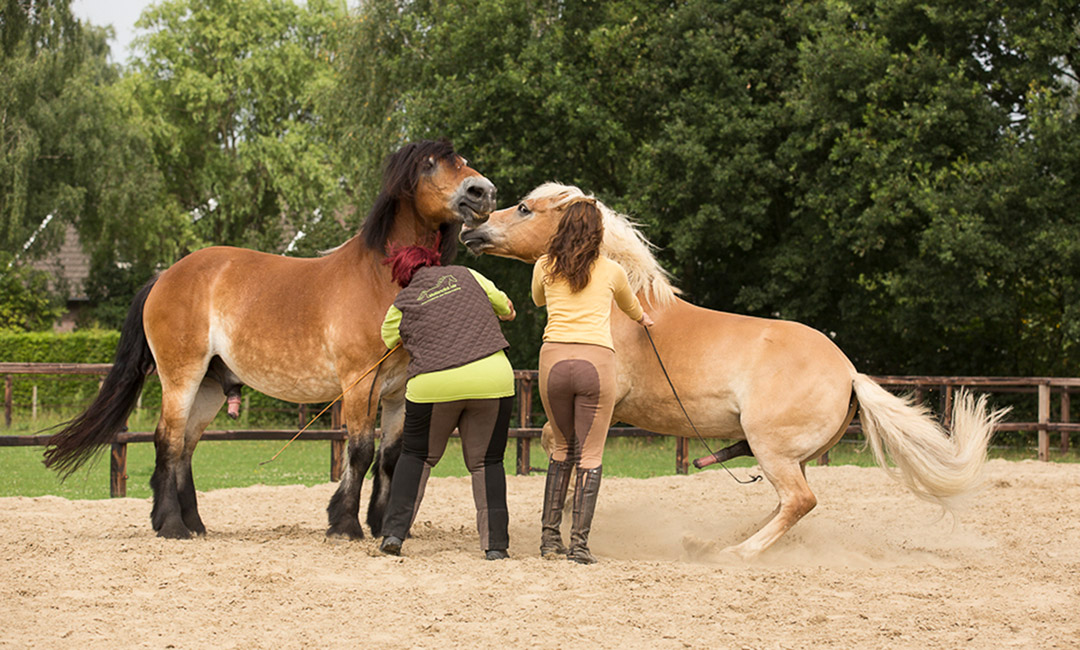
[
  {"x": 355, "y": 259},
  {"x": 409, "y": 229},
  {"x": 355, "y": 253}
]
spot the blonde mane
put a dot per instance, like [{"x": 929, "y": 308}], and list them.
[{"x": 623, "y": 243}]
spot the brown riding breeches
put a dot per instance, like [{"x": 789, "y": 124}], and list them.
[{"x": 577, "y": 386}]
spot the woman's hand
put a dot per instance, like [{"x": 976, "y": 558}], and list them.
[
  {"x": 646, "y": 320},
  {"x": 512, "y": 315}
]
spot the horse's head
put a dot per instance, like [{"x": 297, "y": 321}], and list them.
[
  {"x": 523, "y": 231},
  {"x": 449, "y": 191},
  {"x": 427, "y": 187}
]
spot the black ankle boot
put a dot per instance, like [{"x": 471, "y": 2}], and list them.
[
  {"x": 391, "y": 545},
  {"x": 558, "y": 481},
  {"x": 586, "y": 489}
]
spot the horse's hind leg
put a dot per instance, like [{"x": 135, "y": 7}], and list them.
[
  {"x": 175, "y": 512},
  {"x": 789, "y": 479},
  {"x": 208, "y": 402}
]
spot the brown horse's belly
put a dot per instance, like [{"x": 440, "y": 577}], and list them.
[
  {"x": 291, "y": 374},
  {"x": 295, "y": 389}
]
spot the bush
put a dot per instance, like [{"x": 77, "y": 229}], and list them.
[{"x": 26, "y": 303}]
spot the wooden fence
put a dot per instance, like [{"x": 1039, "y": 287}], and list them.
[{"x": 1044, "y": 387}]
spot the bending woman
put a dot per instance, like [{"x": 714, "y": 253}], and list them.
[
  {"x": 447, "y": 317},
  {"x": 577, "y": 368}
]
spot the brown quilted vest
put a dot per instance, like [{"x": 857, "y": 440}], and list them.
[{"x": 446, "y": 320}]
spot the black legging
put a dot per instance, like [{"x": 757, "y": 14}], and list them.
[{"x": 483, "y": 425}]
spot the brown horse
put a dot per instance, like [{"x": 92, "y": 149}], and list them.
[
  {"x": 300, "y": 330},
  {"x": 781, "y": 388}
]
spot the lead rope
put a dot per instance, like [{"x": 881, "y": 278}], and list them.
[
  {"x": 327, "y": 407},
  {"x": 753, "y": 477}
]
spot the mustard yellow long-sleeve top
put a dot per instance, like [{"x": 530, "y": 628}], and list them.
[{"x": 585, "y": 316}]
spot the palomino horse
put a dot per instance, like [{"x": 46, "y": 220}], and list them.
[
  {"x": 300, "y": 330},
  {"x": 781, "y": 388}
]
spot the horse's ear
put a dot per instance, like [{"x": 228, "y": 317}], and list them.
[
  {"x": 448, "y": 247},
  {"x": 379, "y": 222}
]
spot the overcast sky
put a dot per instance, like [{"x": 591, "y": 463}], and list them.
[{"x": 121, "y": 14}]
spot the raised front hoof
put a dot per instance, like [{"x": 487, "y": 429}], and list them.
[{"x": 346, "y": 530}]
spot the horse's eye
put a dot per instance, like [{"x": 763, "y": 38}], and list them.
[{"x": 523, "y": 209}]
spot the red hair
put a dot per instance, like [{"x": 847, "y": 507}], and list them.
[{"x": 405, "y": 260}]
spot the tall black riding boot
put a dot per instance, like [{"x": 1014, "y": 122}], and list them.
[
  {"x": 586, "y": 489},
  {"x": 558, "y": 481}
]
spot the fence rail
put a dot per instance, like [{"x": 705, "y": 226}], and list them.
[{"x": 524, "y": 432}]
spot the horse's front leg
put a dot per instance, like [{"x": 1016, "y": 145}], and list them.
[
  {"x": 393, "y": 422},
  {"x": 344, "y": 509}
]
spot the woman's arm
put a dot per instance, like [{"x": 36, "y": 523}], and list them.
[
  {"x": 539, "y": 299},
  {"x": 624, "y": 295},
  {"x": 391, "y": 334},
  {"x": 500, "y": 302}
]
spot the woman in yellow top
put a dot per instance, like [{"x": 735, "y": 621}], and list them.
[{"x": 577, "y": 368}]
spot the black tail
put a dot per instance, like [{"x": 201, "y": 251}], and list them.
[{"x": 84, "y": 435}]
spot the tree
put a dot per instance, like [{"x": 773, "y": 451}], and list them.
[
  {"x": 73, "y": 152},
  {"x": 26, "y": 302},
  {"x": 227, "y": 92},
  {"x": 913, "y": 170},
  {"x": 890, "y": 173}
]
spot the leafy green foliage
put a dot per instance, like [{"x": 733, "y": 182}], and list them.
[
  {"x": 226, "y": 91},
  {"x": 26, "y": 302},
  {"x": 895, "y": 174},
  {"x": 891, "y": 173},
  {"x": 73, "y": 149}
]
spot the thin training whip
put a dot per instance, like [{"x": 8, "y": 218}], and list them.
[
  {"x": 753, "y": 477},
  {"x": 366, "y": 373}
]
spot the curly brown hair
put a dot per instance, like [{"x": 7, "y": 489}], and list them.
[{"x": 576, "y": 244}]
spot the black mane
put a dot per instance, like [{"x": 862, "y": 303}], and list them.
[{"x": 401, "y": 173}]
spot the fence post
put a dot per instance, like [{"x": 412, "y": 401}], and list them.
[
  {"x": 118, "y": 470},
  {"x": 682, "y": 455},
  {"x": 337, "y": 447},
  {"x": 946, "y": 411},
  {"x": 524, "y": 445},
  {"x": 8, "y": 396},
  {"x": 33, "y": 403},
  {"x": 1065, "y": 419},
  {"x": 1044, "y": 419}
]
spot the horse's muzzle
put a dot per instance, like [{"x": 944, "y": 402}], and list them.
[
  {"x": 476, "y": 200},
  {"x": 475, "y": 239}
]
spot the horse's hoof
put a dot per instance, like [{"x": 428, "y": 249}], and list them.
[
  {"x": 348, "y": 530},
  {"x": 174, "y": 531}
]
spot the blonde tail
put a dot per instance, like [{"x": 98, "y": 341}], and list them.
[{"x": 935, "y": 466}]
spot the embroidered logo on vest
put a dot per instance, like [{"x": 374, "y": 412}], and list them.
[{"x": 447, "y": 284}]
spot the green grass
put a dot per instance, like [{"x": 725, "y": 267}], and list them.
[{"x": 220, "y": 464}]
